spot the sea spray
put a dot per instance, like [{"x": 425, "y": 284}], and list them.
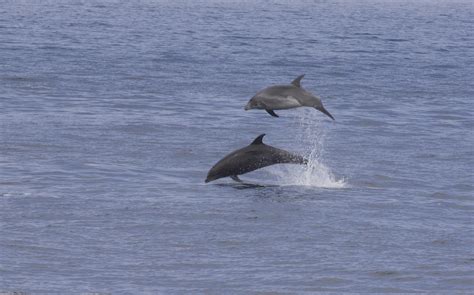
[{"x": 311, "y": 136}]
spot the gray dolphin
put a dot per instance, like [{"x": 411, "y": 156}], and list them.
[
  {"x": 252, "y": 157},
  {"x": 282, "y": 97}
]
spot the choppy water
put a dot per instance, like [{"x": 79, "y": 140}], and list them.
[{"x": 112, "y": 113}]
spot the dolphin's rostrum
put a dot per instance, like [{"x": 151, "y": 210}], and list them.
[
  {"x": 252, "y": 157},
  {"x": 282, "y": 97}
]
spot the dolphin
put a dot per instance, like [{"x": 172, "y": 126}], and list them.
[
  {"x": 252, "y": 157},
  {"x": 282, "y": 97}
]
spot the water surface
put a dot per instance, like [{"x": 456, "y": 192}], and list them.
[{"x": 112, "y": 113}]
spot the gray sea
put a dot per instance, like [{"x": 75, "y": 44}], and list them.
[{"x": 112, "y": 113}]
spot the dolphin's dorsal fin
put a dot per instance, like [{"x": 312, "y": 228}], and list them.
[
  {"x": 297, "y": 81},
  {"x": 258, "y": 140}
]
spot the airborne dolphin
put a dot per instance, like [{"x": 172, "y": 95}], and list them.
[
  {"x": 252, "y": 157},
  {"x": 282, "y": 97}
]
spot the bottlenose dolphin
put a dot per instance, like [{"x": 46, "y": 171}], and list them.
[
  {"x": 252, "y": 157},
  {"x": 282, "y": 97}
]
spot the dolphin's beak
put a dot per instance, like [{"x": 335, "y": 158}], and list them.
[
  {"x": 209, "y": 179},
  {"x": 322, "y": 109}
]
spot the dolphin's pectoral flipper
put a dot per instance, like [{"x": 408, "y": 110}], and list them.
[
  {"x": 297, "y": 81},
  {"x": 236, "y": 178},
  {"x": 271, "y": 112}
]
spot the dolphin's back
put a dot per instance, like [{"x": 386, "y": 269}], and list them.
[{"x": 280, "y": 90}]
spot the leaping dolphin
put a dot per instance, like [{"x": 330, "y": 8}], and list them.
[
  {"x": 282, "y": 97},
  {"x": 252, "y": 157}
]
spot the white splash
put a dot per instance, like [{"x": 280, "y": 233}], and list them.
[{"x": 311, "y": 137}]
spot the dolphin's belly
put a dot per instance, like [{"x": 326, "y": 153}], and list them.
[{"x": 280, "y": 102}]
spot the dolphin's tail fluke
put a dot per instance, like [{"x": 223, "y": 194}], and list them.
[
  {"x": 291, "y": 158},
  {"x": 302, "y": 160},
  {"x": 323, "y": 110}
]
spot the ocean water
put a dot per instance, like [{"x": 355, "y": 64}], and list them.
[{"x": 112, "y": 113}]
